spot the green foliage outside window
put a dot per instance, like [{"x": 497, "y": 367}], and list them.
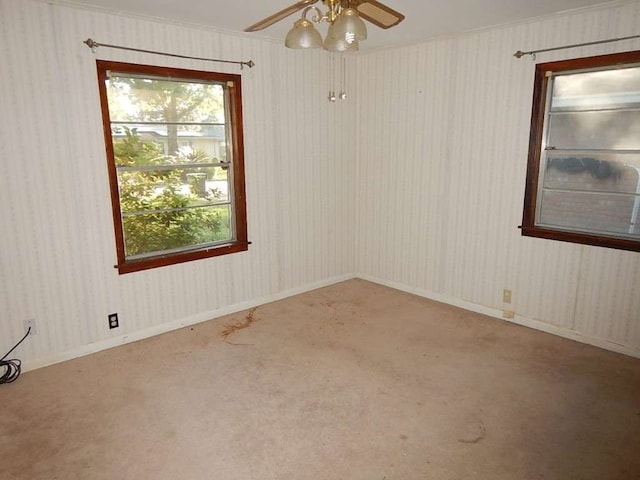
[{"x": 158, "y": 213}]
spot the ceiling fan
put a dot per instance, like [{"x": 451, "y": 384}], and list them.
[{"x": 345, "y": 19}]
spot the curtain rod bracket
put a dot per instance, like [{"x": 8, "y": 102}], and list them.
[{"x": 93, "y": 45}]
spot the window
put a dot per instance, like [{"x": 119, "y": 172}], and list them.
[
  {"x": 175, "y": 158},
  {"x": 583, "y": 175}
]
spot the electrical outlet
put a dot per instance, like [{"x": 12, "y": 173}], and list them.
[
  {"x": 508, "y": 314},
  {"x": 113, "y": 321},
  {"x": 506, "y": 296},
  {"x": 30, "y": 324}
]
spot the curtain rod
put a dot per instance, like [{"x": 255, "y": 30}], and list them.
[
  {"x": 520, "y": 53},
  {"x": 93, "y": 45}
]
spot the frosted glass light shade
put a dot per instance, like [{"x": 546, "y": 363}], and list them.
[
  {"x": 349, "y": 26},
  {"x": 303, "y": 35},
  {"x": 340, "y": 45}
]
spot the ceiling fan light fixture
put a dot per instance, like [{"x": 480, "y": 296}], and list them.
[
  {"x": 303, "y": 35},
  {"x": 348, "y": 26},
  {"x": 345, "y": 19}
]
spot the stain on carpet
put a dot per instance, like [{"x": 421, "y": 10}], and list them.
[
  {"x": 231, "y": 328},
  {"x": 474, "y": 433}
]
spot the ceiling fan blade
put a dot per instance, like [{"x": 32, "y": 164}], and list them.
[
  {"x": 377, "y": 13},
  {"x": 276, "y": 17}
]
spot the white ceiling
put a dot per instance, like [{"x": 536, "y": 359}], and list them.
[{"x": 424, "y": 19}]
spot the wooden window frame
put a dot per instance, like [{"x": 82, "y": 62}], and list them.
[
  {"x": 240, "y": 242},
  {"x": 538, "y": 115}
]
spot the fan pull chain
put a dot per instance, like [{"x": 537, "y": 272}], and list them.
[
  {"x": 332, "y": 67},
  {"x": 338, "y": 78},
  {"x": 343, "y": 93}
]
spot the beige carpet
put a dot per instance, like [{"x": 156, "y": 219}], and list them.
[{"x": 355, "y": 381}]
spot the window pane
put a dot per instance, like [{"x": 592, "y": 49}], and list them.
[
  {"x": 217, "y": 184},
  {"x": 595, "y": 213},
  {"x": 597, "y": 172},
  {"x": 591, "y": 190},
  {"x": 138, "y": 144},
  {"x": 596, "y": 110},
  {"x": 152, "y": 190},
  {"x": 158, "y": 100},
  {"x": 604, "y": 88},
  {"x": 618, "y": 130},
  {"x": 176, "y": 230}
]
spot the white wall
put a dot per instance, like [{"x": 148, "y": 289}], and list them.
[
  {"x": 443, "y": 137},
  {"x": 57, "y": 247},
  {"x": 422, "y": 188}
]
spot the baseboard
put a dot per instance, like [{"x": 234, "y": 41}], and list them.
[
  {"x": 175, "y": 325},
  {"x": 518, "y": 319},
  {"x": 205, "y": 316}
]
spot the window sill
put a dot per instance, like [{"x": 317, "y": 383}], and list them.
[
  {"x": 175, "y": 258},
  {"x": 582, "y": 238}
]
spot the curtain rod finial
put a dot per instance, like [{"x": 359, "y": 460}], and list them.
[
  {"x": 519, "y": 54},
  {"x": 91, "y": 44}
]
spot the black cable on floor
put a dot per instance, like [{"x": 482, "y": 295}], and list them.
[{"x": 13, "y": 366}]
